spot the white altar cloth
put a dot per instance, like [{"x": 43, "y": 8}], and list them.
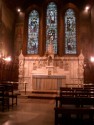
[{"x": 47, "y": 82}]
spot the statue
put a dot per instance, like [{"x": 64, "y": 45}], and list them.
[
  {"x": 50, "y": 52},
  {"x": 50, "y": 48}
]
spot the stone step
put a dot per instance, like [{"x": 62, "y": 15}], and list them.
[
  {"x": 45, "y": 92},
  {"x": 42, "y": 96},
  {"x": 39, "y": 95}
]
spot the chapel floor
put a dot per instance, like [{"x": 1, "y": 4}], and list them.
[{"x": 31, "y": 112}]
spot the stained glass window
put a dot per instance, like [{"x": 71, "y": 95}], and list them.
[
  {"x": 70, "y": 32},
  {"x": 33, "y": 32},
  {"x": 51, "y": 26}
]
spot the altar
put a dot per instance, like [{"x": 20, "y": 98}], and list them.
[{"x": 48, "y": 82}]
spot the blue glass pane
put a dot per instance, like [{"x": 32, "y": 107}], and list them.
[
  {"x": 70, "y": 32},
  {"x": 51, "y": 26},
  {"x": 33, "y": 33}
]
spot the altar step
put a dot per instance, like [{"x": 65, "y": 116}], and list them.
[
  {"x": 40, "y": 95},
  {"x": 43, "y": 94}
]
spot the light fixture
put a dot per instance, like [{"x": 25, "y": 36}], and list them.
[
  {"x": 19, "y": 10},
  {"x": 87, "y": 8},
  {"x": 92, "y": 59},
  {"x": 7, "y": 59}
]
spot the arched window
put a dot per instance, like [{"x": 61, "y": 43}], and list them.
[
  {"x": 33, "y": 33},
  {"x": 70, "y": 32},
  {"x": 51, "y": 26}
]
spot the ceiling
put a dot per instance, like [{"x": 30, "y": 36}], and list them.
[{"x": 23, "y": 4}]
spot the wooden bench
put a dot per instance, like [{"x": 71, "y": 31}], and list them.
[
  {"x": 4, "y": 98},
  {"x": 68, "y": 106},
  {"x": 61, "y": 111},
  {"x": 12, "y": 90},
  {"x": 74, "y": 105},
  {"x": 13, "y": 95},
  {"x": 64, "y": 91},
  {"x": 76, "y": 92},
  {"x": 75, "y": 101},
  {"x": 89, "y": 85}
]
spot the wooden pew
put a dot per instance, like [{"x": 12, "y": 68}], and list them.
[
  {"x": 4, "y": 98},
  {"x": 89, "y": 85},
  {"x": 76, "y": 92},
  {"x": 66, "y": 91},
  {"x": 74, "y": 106},
  {"x": 75, "y": 101},
  {"x": 67, "y": 111},
  {"x": 12, "y": 94},
  {"x": 78, "y": 101},
  {"x": 12, "y": 89}
]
